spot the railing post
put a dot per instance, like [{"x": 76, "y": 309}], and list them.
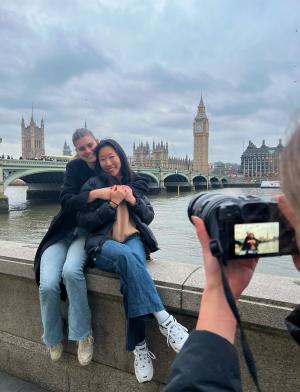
[{"x": 3, "y": 199}]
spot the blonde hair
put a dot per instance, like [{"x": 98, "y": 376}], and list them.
[
  {"x": 81, "y": 132},
  {"x": 290, "y": 172}
]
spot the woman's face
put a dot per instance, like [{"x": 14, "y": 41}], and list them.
[
  {"x": 109, "y": 161},
  {"x": 85, "y": 147}
]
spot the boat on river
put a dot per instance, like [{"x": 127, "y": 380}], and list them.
[{"x": 270, "y": 184}]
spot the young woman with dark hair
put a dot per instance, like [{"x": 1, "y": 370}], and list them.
[
  {"x": 61, "y": 257},
  {"x": 117, "y": 240}
]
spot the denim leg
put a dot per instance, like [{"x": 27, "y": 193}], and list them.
[
  {"x": 79, "y": 315},
  {"x": 52, "y": 262},
  {"x": 139, "y": 293},
  {"x": 128, "y": 260}
]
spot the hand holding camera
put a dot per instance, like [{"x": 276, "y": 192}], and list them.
[{"x": 238, "y": 273}]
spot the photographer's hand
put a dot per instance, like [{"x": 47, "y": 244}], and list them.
[
  {"x": 215, "y": 314},
  {"x": 287, "y": 211}
]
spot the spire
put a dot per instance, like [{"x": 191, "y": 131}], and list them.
[
  {"x": 85, "y": 124},
  {"x": 32, "y": 123},
  {"x": 22, "y": 122},
  {"x": 32, "y": 120},
  {"x": 42, "y": 122},
  {"x": 201, "y": 107}
]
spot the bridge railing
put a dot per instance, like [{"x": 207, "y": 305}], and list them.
[{"x": 19, "y": 163}]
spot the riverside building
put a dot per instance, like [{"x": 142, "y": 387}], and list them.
[{"x": 261, "y": 161}]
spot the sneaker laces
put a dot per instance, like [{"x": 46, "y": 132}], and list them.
[
  {"x": 86, "y": 343},
  {"x": 143, "y": 357},
  {"x": 175, "y": 331}
]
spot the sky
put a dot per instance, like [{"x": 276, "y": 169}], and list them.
[{"x": 135, "y": 71}]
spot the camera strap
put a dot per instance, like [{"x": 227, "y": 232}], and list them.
[{"x": 247, "y": 353}]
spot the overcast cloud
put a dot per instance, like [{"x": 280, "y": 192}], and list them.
[{"x": 135, "y": 71}]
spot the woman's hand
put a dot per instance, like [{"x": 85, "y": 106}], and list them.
[
  {"x": 238, "y": 272},
  {"x": 129, "y": 195},
  {"x": 288, "y": 212},
  {"x": 117, "y": 194},
  {"x": 215, "y": 314},
  {"x": 103, "y": 194}
]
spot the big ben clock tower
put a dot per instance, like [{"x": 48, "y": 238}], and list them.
[{"x": 201, "y": 132}]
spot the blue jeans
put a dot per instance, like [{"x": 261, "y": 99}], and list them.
[
  {"x": 140, "y": 296},
  {"x": 64, "y": 259}
]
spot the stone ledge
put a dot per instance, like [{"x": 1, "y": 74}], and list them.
[
  {"x": 66, "y": 375},
  {"x": 266, "y": 302}
]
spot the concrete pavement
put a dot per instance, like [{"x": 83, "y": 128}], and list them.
[{"x": 13, "y": 384}]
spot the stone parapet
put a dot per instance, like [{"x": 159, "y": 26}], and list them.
[{"x": 264, "y": 305}]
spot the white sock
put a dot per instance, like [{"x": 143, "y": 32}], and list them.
[{"x": 161, "y": 316}]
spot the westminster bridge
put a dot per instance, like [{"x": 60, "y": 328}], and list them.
[{"x": 44, "y": 178}]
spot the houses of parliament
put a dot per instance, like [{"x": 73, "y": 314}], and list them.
[
  {"x": 33, "y": 146},
  {"x": 158, "y": 155}
]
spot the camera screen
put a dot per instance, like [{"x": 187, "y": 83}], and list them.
[{"x": 256, "y": 238}]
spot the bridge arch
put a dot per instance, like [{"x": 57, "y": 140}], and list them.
[
  {"x": 200, "y": 181},
  {"x": 29, "y": 175},
  {"x": 176, "y": 181},
  {"x": 214, "y": 182},
  {"x": 224, "y": 181}
]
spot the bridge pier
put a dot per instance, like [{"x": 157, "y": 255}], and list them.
[{"x": 4, "y": 208}]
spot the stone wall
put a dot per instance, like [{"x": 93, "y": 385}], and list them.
[{"x": 263, "y": 308}]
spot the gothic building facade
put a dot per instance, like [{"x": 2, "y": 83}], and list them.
[
  {"x": 201, "y": 133},
  {"x": 33, "y": 139},
  {"x": 261, "y": 161},
  {"x": 158, "y": 156}
]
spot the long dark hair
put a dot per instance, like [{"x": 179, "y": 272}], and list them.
[{"x": 126, "y": 173}]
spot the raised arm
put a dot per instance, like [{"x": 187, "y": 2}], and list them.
[{"x": 208, "y": 360}]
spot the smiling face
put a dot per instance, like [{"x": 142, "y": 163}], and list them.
[
  {"x": 109, "y": 161},
  {"x": 85, "y": 147}
]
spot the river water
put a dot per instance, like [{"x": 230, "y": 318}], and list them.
[{"x": 27, "y": 222}]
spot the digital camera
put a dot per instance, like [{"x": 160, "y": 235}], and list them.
[{"x": 243, "y": 226}]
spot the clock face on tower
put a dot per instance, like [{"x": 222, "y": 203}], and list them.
[{"x": 199, "y": 127}]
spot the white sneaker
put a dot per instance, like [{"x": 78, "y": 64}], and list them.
[
  {"x": 85, "y": 350},
  {"x": 176, "y": 333},
  {"x": 143, "y": 363},
  {"x": 56, "y": 352}
]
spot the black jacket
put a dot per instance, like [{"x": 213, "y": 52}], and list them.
[
  {"x": 72, "y": 201},
  {"x": 98, "y": 218},
  {"x": 206, "y": 363}
]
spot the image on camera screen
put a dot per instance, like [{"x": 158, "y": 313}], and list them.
[{"x": 256, "y": 238}]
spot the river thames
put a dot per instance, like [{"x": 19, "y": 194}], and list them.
[{"x": 27, "y": 222}]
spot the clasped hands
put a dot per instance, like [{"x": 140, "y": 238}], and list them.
[
  {"x": 119, "y": 193},
  {"x": 116, "y": 194}
]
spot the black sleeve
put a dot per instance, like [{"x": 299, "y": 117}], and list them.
[
  {"x": 139, "y": 186},
  {"x": 71, "y": 199},
  {"x": 143, "y": 209},
  {"x": 207, "y": 362},
  {"x": 92, "y": 221}
]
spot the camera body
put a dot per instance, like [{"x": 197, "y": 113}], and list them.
[{"x": 243, "y": 226}]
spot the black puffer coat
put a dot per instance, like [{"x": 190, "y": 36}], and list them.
[{"x": 98, "y": 218}]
